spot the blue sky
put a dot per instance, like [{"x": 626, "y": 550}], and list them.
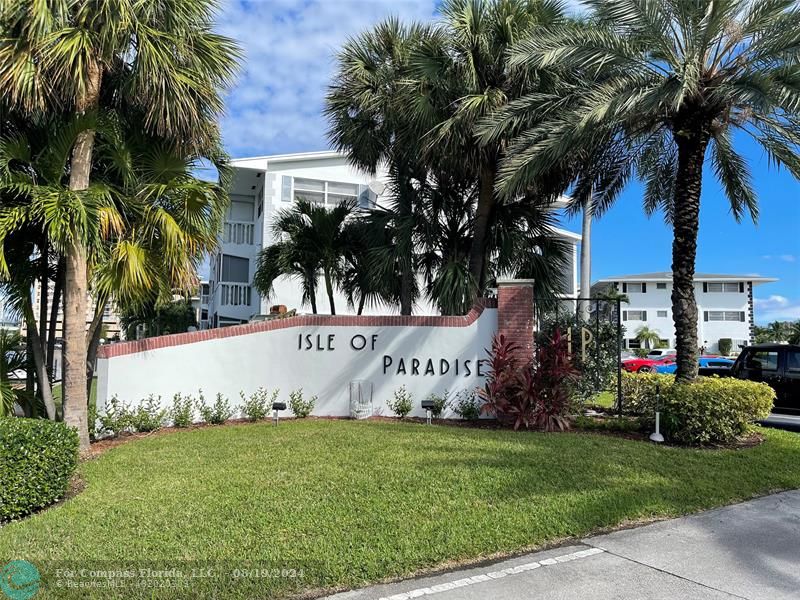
[{"x": 276, "y": 107}]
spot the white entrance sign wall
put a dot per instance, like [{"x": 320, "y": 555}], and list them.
[{"x": 321, "y": 354}]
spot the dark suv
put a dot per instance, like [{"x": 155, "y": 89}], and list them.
[{"x": 777, "y": 365}]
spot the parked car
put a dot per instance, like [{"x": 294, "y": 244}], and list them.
[
  {"x": 708, "y": 365},
  {"x": 658, "y": 353},
  {"x": 777, "y": 365},
  {"x": 645, "y": 365}
]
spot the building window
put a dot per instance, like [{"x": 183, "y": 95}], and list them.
[
  {"x": 310, "y": 190},
  {"x": 329, "y": 193},
  {"x": 662, "y": 314},
  {"x": 721, "y": 287},
  {"x": 634, "y": 315},
  {"x": 661, "y": 286},
  {"x": 724, "y": 315},
  {"x": 636, "y": 288},
  {"x": 634, "y": 344},
  {"x": 235, "y": 268}
]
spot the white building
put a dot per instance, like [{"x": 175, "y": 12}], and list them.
[
  {"x": 724, "y": 305},
  {"x": 266, "y": 184}
]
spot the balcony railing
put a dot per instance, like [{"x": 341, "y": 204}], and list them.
[
  {"x": 238, "y": 232},
  {"x": 235, "y": 294}
]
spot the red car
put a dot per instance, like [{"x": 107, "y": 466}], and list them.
[{"x": 645, "y": 365}]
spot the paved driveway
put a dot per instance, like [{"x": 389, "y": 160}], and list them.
[{"x": 749, "y": 550}]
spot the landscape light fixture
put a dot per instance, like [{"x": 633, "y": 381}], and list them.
[
  {"x": 276, "y": 406},
  {"x": 656, "y": 435},
  {"x": 428, "y": 405}
]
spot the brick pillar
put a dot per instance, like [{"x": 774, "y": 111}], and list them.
[{"x": 515, "y": 318}]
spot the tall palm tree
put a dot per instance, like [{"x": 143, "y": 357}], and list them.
[
  {"x": 670, "y": 79},
  {"x": 312, "y": 239},
  {"x": 161, "y": 58},
  {"x": 369, "y": 122},
  {"x": 12, "y": 361},
  {"x": 466, "y": 64}
]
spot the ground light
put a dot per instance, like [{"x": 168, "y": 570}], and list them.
[
  {"x": 428, "y": 405},
  {"x": 277, "y": 406},
  {"x": 656, "y": 435}
]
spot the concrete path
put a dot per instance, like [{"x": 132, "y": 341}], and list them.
[{"x": 749, "y": 550}]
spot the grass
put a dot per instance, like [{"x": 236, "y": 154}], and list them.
[
  {"x": 343, "y": 503},
  {"x": 605, "y": 399},
  {"x": 57, "y": 393}
]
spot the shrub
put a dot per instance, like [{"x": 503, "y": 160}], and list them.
[
  {"x": 710, "y": 410},
  {"x": 440, "y": 403},
  {"x": 149, "y": 415},
  {"x": 535, "y": 395},
  {"x": 257, "y": 406},
  {"x": 216, "y": 414},
  {"x": 37, "y": 460},
  {"x": 301, "y": 407},
  {"x": 466, "y": 405},
  {"x": 182, "y": 412},
  {"x": 640, "y": 352},
  {"x": 91, "y": 422},
  {"x": 402, "y": 402},
  {"x": 725, "y": 345},
  {"x": 115, "y": 419}
]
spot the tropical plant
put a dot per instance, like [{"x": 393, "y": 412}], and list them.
[
  {"x": 649, "y": 337},
  {"x": 12, "y": 361},
  {"x": 401, "y": 403},
  {"x": 312, "y": 239},
  {"x": 153, "y": 319},
  {"x": 666, "y": 80},
  {"x": 794, "y": 333},
  {"x": 366, "y": 108},
  {"x": 161, "y": 61},
  {"x": 466, "y": 405},
  {"x": 301, "y": 407}
]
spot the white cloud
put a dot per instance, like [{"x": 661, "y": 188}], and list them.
[
  {"x": 790, "y": 258},
  {"x": 289, "y": 48},
  {"x": 776, "y": 308}
]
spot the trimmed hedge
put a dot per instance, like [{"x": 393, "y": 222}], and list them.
[
  {"x": 710, "y": 410},
  {"x": 37, "y": 460}
]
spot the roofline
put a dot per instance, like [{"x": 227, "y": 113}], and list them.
[
  {"x": 721, "y": 277},
  {"x": 290, "y": 157},
  {"x": 567, "y": 234}
]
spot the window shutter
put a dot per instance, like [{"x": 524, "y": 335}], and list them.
[
  {"x": 644, "y": 288},
  {"x": 644, "y": 315},
  {"x": 705, "y": 289},
  {"x": 286, "y": 188},
  {"x": 741, "y": 287},
  {"x": 624, "y": 288},
  {"x": 624, "y": 313},
  {"x": 741, "y": 316},
  {"x": 705, "y": 315}
]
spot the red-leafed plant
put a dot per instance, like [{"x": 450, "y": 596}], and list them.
[
  {"x": 534, "y": 395},
  {"x": 500, "y": 376},
  {"x": 553, "y": 372}
]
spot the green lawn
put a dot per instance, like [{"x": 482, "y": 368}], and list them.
[
  {"x": 344, "y": 503},
  {"x": 92, "y": 393}
]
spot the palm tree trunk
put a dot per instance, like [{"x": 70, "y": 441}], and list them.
[
  {"x": 686, "y": 222},
  {"x": 361, "y": 301},
  {"x": 586, "y": 256},
  {"x": 480, "y": 229},
  {"x": 44, "y": 288},
  {"x": 312, "y": 298},
  {"x": 75, "y": 278},
  {"x": 406, "y": 243},
  {"x": 51, "y": 325},
  {"x": 329, "y": 289},
  {"x": 93, "y": 341},
  {"x": 45, "y": 391}
]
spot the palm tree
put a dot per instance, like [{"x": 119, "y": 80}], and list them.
[
  {"x": 794, "y": 333},
  {"x": 311, "y": 239},
  {"x": 649, "y": 337},
  {"x": 466, "y": 66},
  {"x": 778, "y": 331},
  {"x": 667, "y": 80},
  {"x": 368, "y": 119},
  {"x": 162, "y": 60},
  {"x": 12, "y": 360}
]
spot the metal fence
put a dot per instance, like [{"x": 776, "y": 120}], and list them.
[{"x": 594, "y": 331}]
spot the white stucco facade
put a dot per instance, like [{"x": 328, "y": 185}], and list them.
[
  {"x": 264, "y": 185},
  {"x": 724, "y": 304},
  {"x": 320, "y": 354}
]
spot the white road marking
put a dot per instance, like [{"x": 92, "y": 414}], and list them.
[{"x": 492, "y": 575}]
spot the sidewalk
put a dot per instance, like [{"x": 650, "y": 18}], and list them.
[{"x": 749, "y": 550}]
